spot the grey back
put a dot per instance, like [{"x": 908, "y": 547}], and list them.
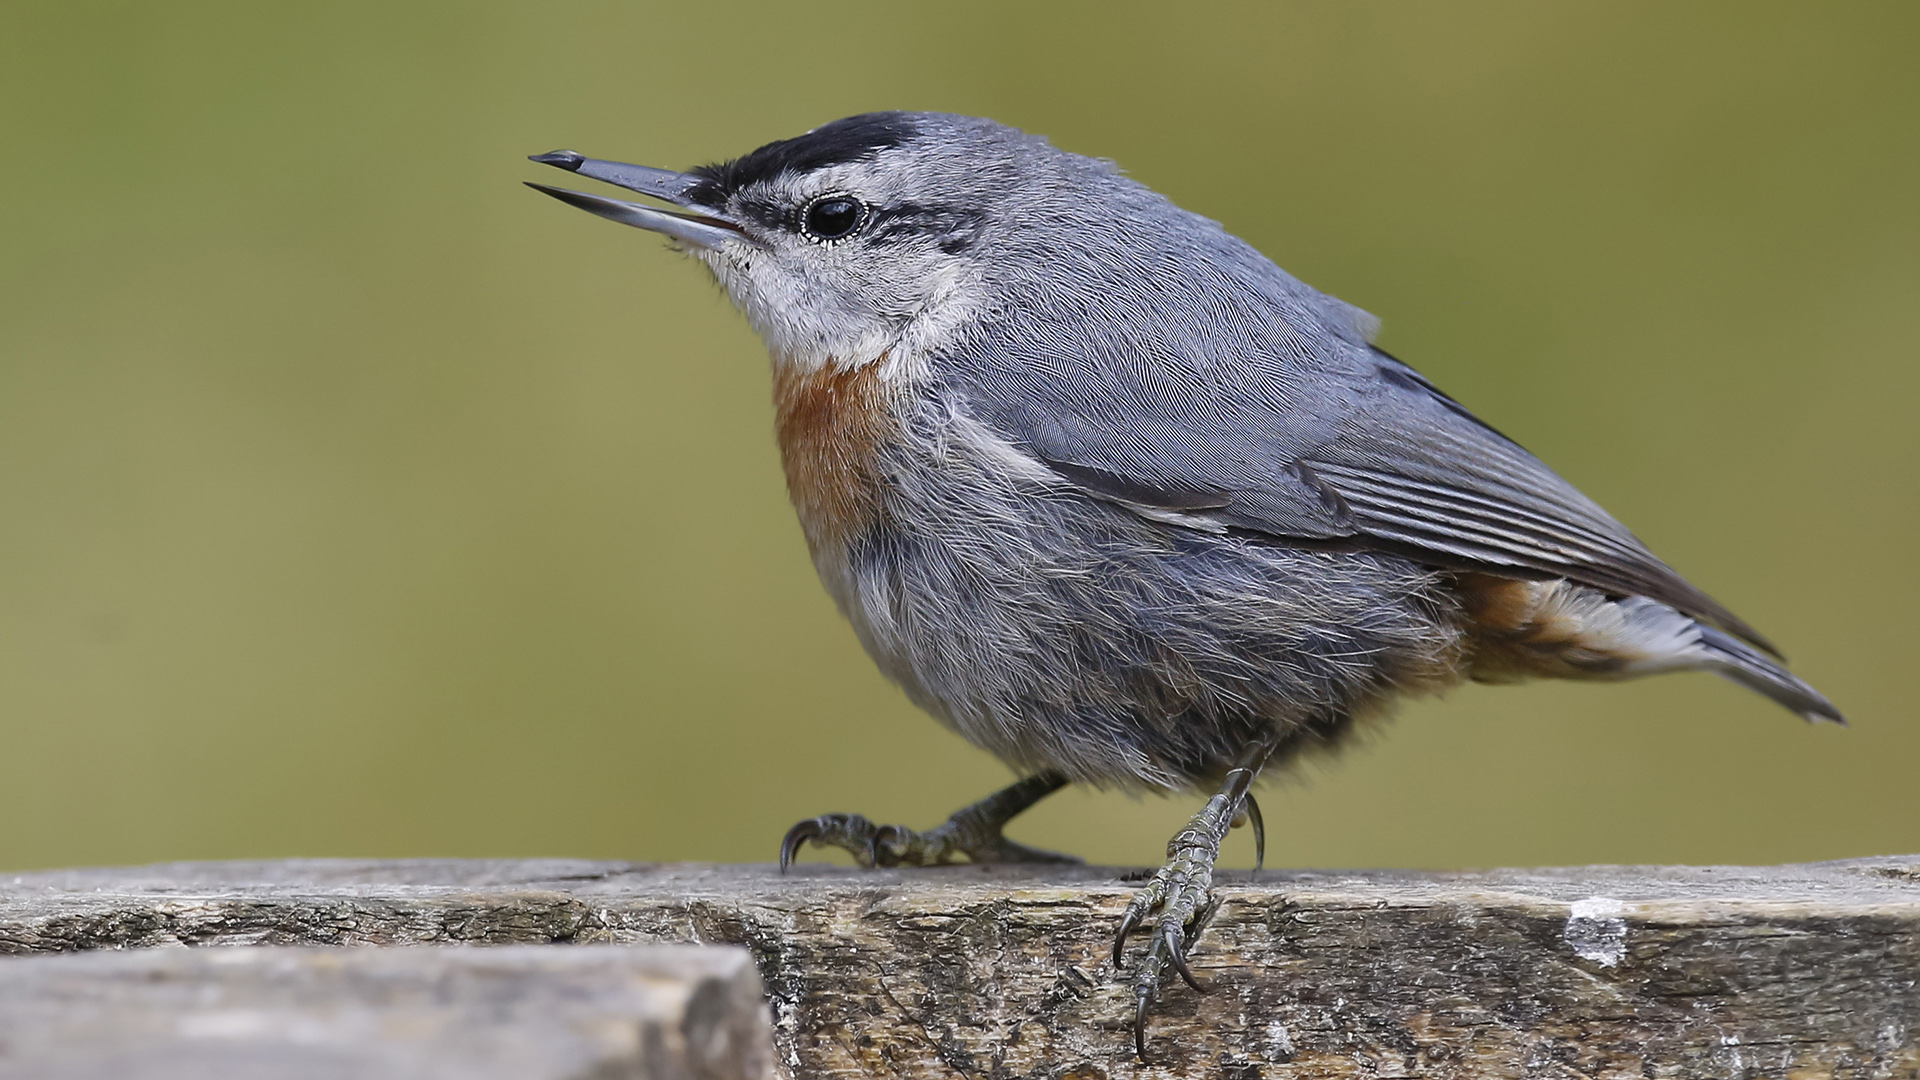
[{"x": 1154, "y": 359}]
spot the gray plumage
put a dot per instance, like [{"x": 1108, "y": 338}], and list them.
[
  {"x": 1158, "y": 358},
  {"x": 1130, "y": 494},
  {"x": 1066, "y": 633}
]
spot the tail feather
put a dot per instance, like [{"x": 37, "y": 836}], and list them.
[
  {"x": 1734, "y": 659},
  {"x": 1562, "y": 630}
]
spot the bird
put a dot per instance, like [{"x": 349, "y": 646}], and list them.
[{"x": 1114, "y": 497}]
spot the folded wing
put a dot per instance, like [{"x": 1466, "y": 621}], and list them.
[{"x": 1280, "y": 424}]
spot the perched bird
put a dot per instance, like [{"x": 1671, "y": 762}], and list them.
[{"x": 1116, "y": 498}]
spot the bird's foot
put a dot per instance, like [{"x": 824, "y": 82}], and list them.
[
  {"x": 1178, "y": 900},
  {"x": 975, "y": 831}
]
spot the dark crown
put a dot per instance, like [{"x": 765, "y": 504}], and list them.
[{"x": 856, "y": 138}]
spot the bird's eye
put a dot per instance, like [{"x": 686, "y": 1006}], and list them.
[{"x": 832, "y": 217}]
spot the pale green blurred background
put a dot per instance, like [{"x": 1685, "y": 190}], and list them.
[{"x": 355, "y": 500}]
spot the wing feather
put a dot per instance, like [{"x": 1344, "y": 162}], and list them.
[{"x": 1231, "y": 393}]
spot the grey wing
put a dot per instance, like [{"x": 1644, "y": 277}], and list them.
[
  {"x": 1320, "y": 439},
  {"x": 1440, "y": 480}
]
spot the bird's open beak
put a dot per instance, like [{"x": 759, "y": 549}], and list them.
[{"x": 702, "y": 228}]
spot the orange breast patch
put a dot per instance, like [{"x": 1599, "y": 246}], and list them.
[{"x": 831, "y": 424}]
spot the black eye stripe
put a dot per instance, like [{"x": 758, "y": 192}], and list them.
[
  {"x": 832, "y": 217},
  {"x": 954, "y": 228}
]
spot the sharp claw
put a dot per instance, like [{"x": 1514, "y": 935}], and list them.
[
  {"x": 1177, "y": 956},
  {"x": 1127, "y": 924},
  {"x": 1259, "y": 832},
  {"x": 797, "y": 836},
  {"x": 1140, "y": 1025}
]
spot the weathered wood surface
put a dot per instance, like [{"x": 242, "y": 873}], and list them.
[
  {"x": 519, "y": 1012},
  {"x": 1804, "y": 971}
]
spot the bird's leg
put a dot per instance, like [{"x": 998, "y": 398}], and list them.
[
  {"x": 1179, "y": 897},
  {"x": 974, "y": 831}
]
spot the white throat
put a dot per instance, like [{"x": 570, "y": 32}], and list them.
[{"x": 811, "y": 332}]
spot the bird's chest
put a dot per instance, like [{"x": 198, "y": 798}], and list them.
[{"x": 833, "y": 426}]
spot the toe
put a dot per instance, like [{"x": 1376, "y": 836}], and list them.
[
  {"x": 1145, "y": 902},
  {"x": 891, "y": 845},
  {"x": 849, "y": 832}
]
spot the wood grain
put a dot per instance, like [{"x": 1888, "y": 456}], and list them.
[
  {"x": 1802, "y": 971},
  {"x": 518, "y": 1012}
]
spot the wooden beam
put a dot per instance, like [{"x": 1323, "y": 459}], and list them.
[
  {"x": 1807, "y": 970},
  {"x": 518, "y": 1012}
]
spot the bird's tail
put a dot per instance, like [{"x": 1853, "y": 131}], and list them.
[
  {"x": 1734, "y": 659},
  {"x": 1568, "y": 631}
]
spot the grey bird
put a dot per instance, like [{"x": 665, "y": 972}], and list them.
[{"x": 1116, "y": 498}]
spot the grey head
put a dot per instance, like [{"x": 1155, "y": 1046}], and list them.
[
  {"x": 888, "y": 232},
  {"x": 860, "y": 237}
]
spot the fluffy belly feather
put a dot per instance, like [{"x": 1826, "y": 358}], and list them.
[{"x": 1062, "y": 632}]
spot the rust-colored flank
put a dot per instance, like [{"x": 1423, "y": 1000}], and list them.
[
  {"x": 1500, "y": 607},
  {"x": 1522, "y": 628}
]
